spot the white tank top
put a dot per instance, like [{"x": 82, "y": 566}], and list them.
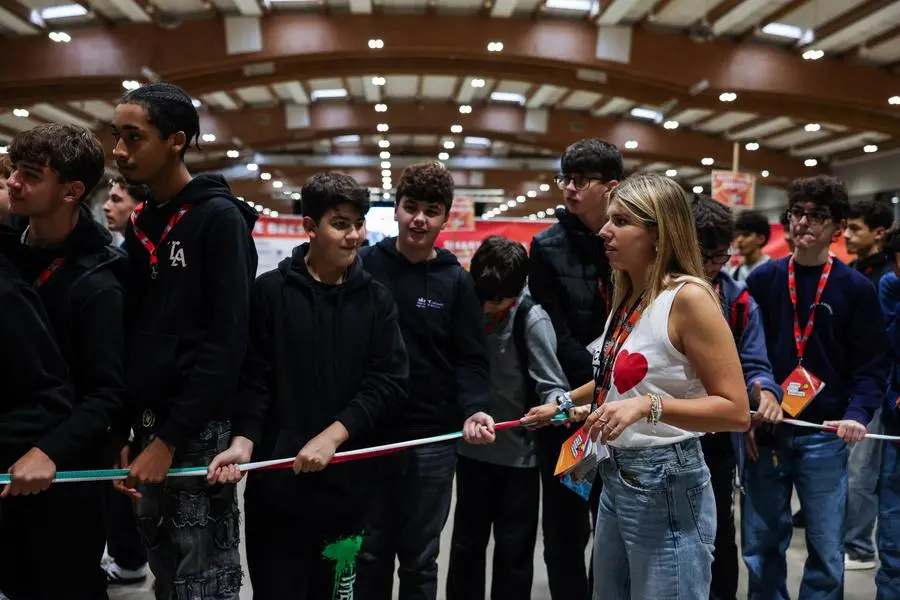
[{"x": 649, "y": 363}]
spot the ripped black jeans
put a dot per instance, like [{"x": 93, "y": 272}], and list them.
[{"x": 192, "y": 529}]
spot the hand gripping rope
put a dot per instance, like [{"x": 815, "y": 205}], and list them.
[{"x": 350, "y": 455}]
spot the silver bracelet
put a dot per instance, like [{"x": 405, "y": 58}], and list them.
[{"x": 656, "y": 409}]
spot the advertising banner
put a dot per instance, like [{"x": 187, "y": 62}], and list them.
[
  {"x": 464, "y": 243},
  {"x": 275, "y": 237},
  {"x": 462, "y": 215},
  {"x": 733, "y": 189}
]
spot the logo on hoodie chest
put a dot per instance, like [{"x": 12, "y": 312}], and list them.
[
  {"x": 176, "y": 254},
  {"x": 423, "y": 302}
]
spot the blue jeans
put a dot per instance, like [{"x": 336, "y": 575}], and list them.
[
  {"x": 407, "y": 517},
  {"x": 191, "y": 529},
  {"x": 887, "y": 580},
  {"x": 816, "y": 463},
  {"x": 656, "y": 525},
  {"x": 863, "y": 470}
]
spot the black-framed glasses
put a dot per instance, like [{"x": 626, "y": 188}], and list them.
[
  {"x": 580, "y": 182},
  {"x": 816, "y": 216},
  {"x": 719, "y": 258}
]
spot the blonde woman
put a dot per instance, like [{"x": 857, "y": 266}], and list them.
[{"x": 667, "y": 368}]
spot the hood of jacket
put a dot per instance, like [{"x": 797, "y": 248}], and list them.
[
  {"x": 295, "y": 271},
  {"x": 212, "y": 185}
]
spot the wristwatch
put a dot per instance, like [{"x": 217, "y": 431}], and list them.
[{"x": 565, "y": 402}]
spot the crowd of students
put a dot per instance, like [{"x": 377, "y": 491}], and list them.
[{"x": 166, "y": 351}]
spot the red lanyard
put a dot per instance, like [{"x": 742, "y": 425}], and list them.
[
  {"x": 145, "y": 241},
  {"x": 620, "y": 328},
  {"x": 48, "y": 272},
  {"x": 802, "y": 338}
]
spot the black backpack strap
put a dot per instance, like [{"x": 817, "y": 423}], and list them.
[{"x": 519, "y": 321}]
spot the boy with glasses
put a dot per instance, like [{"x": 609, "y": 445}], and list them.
[
  {"x": 724, "y": 452},
  {"x": 817, "y": 314},
  {"x": 570, "y": 279}
]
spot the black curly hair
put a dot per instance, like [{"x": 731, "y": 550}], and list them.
[
  {"x": 753, "y": 221},
  {"x": 324, "y": 191},
  {"x": 714, "y": 222},
  {"x": 427, "y": 182},
  {"x": 824, "y": 191},
  {"x": 170, "y": 109},
  {"x": 873, "y": 212}
]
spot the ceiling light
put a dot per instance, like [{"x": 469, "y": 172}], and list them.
[
  {"x": 531, "y": 193},
  {"x": 131, "y": 84},
  {"x": 869, "y": 148},
  {"x": 385, "y": 196},
  {"x": 810, "y": 162},
  {"x": 541, "y": 214},
  {"x": 385, "y": 164},
  {"x": 20, "y": 112},
  {"x": 259, "y": 208},
  {"x": 578, "y": 5},
  {"x": 449, "y": 144},
  {"x": 65, "y": 11},
  {"x": 520, "y": 199},
  {"x": 631, "y": 145},
  {"x": 727, "y": 96},
  {"x": 752, "y": 146},
  {"x": 232, "y": 154},
  {"x": 646, "y": 113},
  {"x": 511, "y": 203},
  {"x": 251, "y": 204},
  {"x": 277, "y": 184},
  {"x": 329, "y": 93},
  {"x": 386, "y": 186},
  {"x": 384, "y": 155},
  {"x": 386, "y": 180},
  {"x": 443, "y": 156},
  {"x": 346, "y": 139},
  {"x": 265, "y": 176},
  {"x": 532, "y": 217},
  {"x": 504, "y": 207},
  {"x": 478, "y": 83},
  {"x": 545, "y": 187},
  {"x": 671, "y": 124},
  {"x": 792, "y": 32},
  {"x": 508, "y": 97},
  {"x": 550, "y": 211},
  {"x": 465, "y": 109},
  {"x": 385, "y": 172},
  {"x": 382, "y": 127},
  {"x": 60, "y": 37},
  {"x": 671, "y": 173},
  {"x": 813, "y": 55},
  {"x": 495, "y": 46},
  {"x": 208, "y": 137},
  {"x": 384, "y": 144},
  {"x": 707, "y": 161},
  {"x": 4, "y": 149},
  {"x": 560, "y": 207},
  {"x": 381, "y": 108},
  {"x": 476, "y": 141},
  {"x": 764, "y": 173},
  {"x": 196, "y": 103},
  {"x": 895, "y": 199},
  {"x": 378, "y": 80},
  {"x": 274, "y": 213},
  {"x": 267, "y": 211},
  {"x": 456, "y": 129},
  {"x": 376, "y": 44},
  {"x": 252, "y": 167},
  {"x": 698, "y": 189},
  {"x": 812, "y": 127},
  {"x": 894, "y": 100},
  {"x": 296, "y": 196}
]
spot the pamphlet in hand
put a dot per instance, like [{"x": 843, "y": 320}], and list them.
[{"x": 578, "y": 460}]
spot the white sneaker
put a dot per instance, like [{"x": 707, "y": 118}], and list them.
[
  {"x": 858, "y": 564},
  {"x": 116, "y": 575}
]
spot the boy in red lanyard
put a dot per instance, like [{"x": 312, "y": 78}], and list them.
[
  {"x": 192, "y": 263},
  {"x": 824, "y": 337},
  {"x": 67, "y": 257}
]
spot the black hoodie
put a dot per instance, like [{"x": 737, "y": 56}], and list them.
[
  {"x": 443, "y": 327},
  {"x": 35, "y": 393},
  {"x": 570, "y": 278},
  {"x": 188, "y": 331},
  {"x": 874, "y": 267},
  {"x": 318, "y": 354},
  {"x": 85, "y": 300}
]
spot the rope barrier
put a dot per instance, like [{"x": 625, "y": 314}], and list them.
[{"x": 351, "y": 455}]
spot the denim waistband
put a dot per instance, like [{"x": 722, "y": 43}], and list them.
[{"x": 684, "y": 453}]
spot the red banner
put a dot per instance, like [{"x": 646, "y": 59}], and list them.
[{"x": 464, "y": 243}]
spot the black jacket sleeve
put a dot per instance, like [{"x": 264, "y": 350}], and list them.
[
  {"x": 254, "y": 394},
  {"x": 543, "y": 284},
  {"x": 384, "y": 388},
  {"x": 213, "y": 380},
  {"x": 99, "y": 339},
  {"x": 37, "y": 395},
  {"x": 469, "y": 349}
]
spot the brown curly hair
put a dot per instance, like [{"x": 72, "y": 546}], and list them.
[
  {"x": 72, "y": 151},
  {"x": 5, "y": 166},
  {"x": 427, "y": 182},
  {"x": 824, "y": 191}
]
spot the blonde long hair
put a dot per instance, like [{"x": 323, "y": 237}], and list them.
[{"x": 657, "y": 201}]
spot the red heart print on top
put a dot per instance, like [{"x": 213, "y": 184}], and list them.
[{"x": 629, "y": 370}]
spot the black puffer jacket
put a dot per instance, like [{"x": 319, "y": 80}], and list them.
[{"x": 570, "y": 278}]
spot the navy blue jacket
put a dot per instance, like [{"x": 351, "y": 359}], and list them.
[
  {"x": 844, "y": 350},
  {"x": 889, "y": 296}
]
